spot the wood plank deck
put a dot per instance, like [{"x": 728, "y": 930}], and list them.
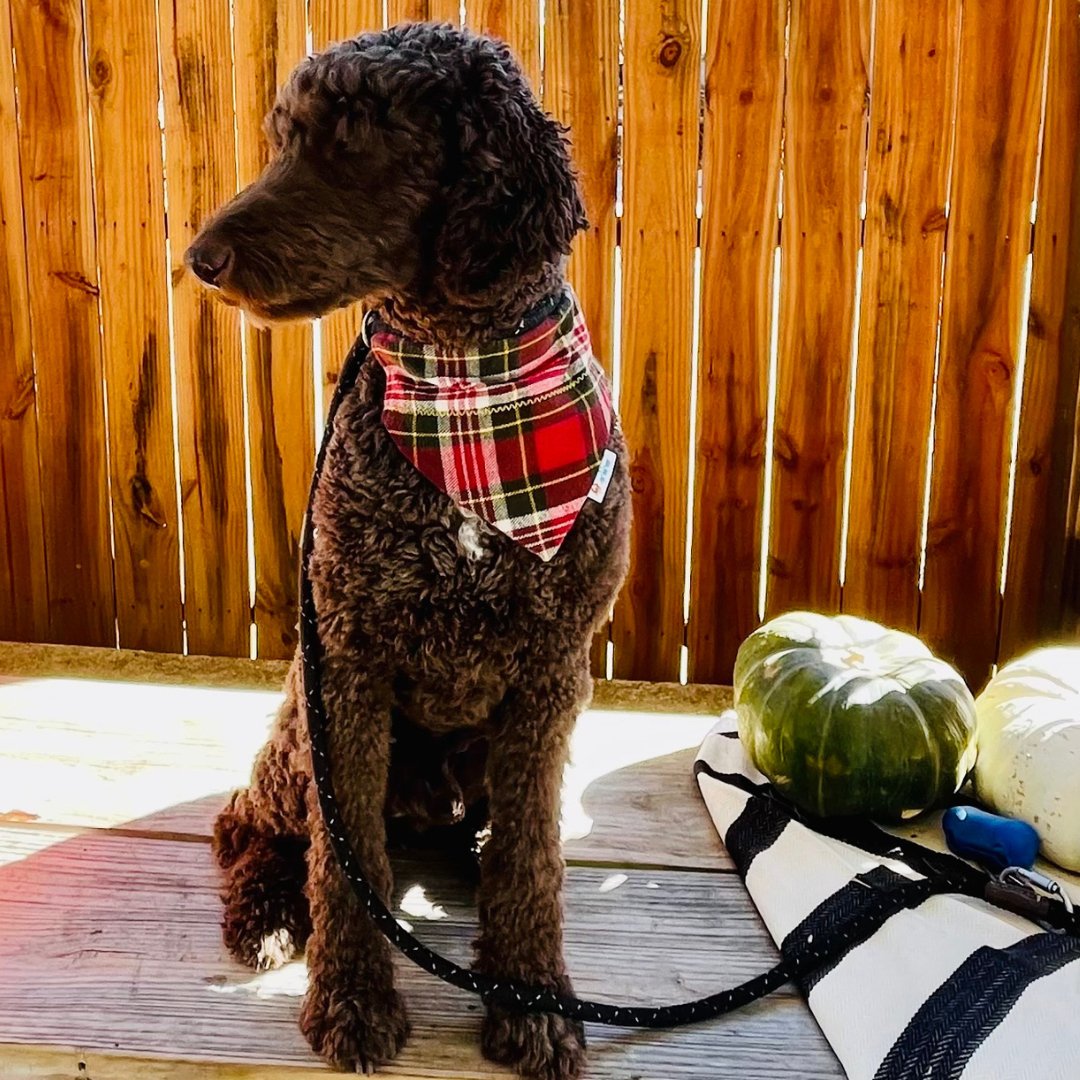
[{"x": 112, "y": 963}]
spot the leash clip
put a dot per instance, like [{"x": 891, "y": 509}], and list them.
[
  {"x": 1032, "y": 895},
  {"x": 1037, "y": 883}
]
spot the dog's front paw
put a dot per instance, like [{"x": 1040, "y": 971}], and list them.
[
  {"x": 354, "y": 1031},
  {"x": 540, "y": 1045}
]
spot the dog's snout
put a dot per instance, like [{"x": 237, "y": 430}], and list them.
[{"x": 209, "y": 259}]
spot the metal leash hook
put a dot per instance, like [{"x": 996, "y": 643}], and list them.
[
  {"x": 1018, "y": 875},
  {"x": 1030, "y": 894}
]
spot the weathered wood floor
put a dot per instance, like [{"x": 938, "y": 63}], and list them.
[{"x": 111, "y": 964}]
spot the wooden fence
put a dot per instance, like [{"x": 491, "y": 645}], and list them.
[{"x": 832, "y": 268}]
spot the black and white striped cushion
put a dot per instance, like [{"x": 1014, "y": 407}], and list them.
[{"x": 954, "y": 988}]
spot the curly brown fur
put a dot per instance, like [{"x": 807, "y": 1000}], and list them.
[{"x": 414, "y": 171}]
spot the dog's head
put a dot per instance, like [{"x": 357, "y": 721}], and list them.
[{"x": 415, "y": 163}]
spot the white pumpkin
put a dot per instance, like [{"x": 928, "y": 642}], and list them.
[{"x": 1028, "y": 736}]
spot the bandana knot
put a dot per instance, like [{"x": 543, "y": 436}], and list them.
[{"x": 513, "y": 431}]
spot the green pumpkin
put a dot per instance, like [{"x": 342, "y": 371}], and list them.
[{"x": 848, "y": 717}]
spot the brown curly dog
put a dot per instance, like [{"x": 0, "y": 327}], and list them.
[{"x": 414, "y": 172}]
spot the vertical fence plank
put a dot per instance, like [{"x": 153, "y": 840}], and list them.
[
  {"x": 270, "y": 38},
  {"x": 54, "y": 514},
  {"x": 24, "y": 613},
  {"x": 826, "y": 102},
  {"x": 661, "y": 73},
  {"x": 201, "y": 170},
  {"x": 1032, "y": 600},
  {"x": 1000, "y": 92},
  {"x": 62, "y": 259},
  {"x": 1070, "y": 593},
  {"x": 1069, "y": 608},
  {"x": 443, "y": 11},
  {"x": 744, "y": 99},
  {"x": 517, "y": 22},
  {"x": 911, "y": 112},
  {"x": 336, "y": 20},
  {"x": 123, "y": 64},
  {"x": 581, "y": 85}
]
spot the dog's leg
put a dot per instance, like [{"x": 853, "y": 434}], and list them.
[
  {"x": 260, "y": 841},
  {"x": 522, "y": 868},
  {"x": 352, "y": 1016}
]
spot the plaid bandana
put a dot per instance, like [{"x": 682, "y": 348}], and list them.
[{"x": 514, "y": 432}]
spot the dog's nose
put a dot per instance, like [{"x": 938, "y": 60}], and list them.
[{"x": 209, "y": 259}]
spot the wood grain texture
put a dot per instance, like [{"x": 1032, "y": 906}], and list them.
[
  {"x": 123, "y": 64},
  {"x": 987, "y": 245},
  {"x": 58, "y": 199},
  {"x": 1069, "y": 617},
  {"x": 911, "y": 115},
  {"x": 24, "y": 610},
  {"x": 338, "y": 332},
  {"x": 443, "y": 11},
  {"x": 270, "y": 39},
  {"x": 581, "y": 76},
  {"x": 581, "y": 91},
  {"x": 649, "y": 814},
  {"x": 659, "y": 232},
  {"x": 21, "y": 660},
  {"x": 281, "y": 409},
  {"x": 25, "y": 661},
  {"x": 1032, "y": 603},
  {"x": 824, "y": 156},
  {"x": 744, "y": 100},
  {"x": 151, "y": 974},
  {"x": 336, "y": 20},
  {"x": 1070, "y": 593},
  {"x": 517, "y": 22},
  {"x": 201, "y": 170},
  {"x": 62, "y": 1062}
]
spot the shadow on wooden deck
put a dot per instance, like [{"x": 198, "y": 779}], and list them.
[{"x": 111, "y": 953}]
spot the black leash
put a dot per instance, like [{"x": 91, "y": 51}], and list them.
[{"x": 516, "y": 995}]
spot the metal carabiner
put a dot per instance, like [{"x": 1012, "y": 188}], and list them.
[{"x": 1033, "y": 879}]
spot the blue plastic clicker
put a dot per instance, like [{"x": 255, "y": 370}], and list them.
[{"x": 995, "y": 842}]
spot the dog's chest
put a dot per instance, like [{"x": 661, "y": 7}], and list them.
[{"x": 406, "y": 573}]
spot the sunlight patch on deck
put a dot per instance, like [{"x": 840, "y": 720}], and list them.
[
  {"x": 164, "y": 759},
  {"x": 605, "y": 742},
  {"x": 288, "y": 981},
  {"x": 415, "y": 902},
  {"x": 108, "y": 754}
]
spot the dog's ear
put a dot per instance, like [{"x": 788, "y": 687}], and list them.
[{"x": 512, "y": 203}]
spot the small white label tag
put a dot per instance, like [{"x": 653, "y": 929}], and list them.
[{"x": 603, "y": 476}]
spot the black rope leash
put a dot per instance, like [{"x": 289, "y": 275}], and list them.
[{"x": 511, "y": 993}]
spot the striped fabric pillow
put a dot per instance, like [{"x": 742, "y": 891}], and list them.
[{"x": 954, "y": 988}]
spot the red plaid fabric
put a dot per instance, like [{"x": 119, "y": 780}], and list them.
[{"x": 513, "y": 431}]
